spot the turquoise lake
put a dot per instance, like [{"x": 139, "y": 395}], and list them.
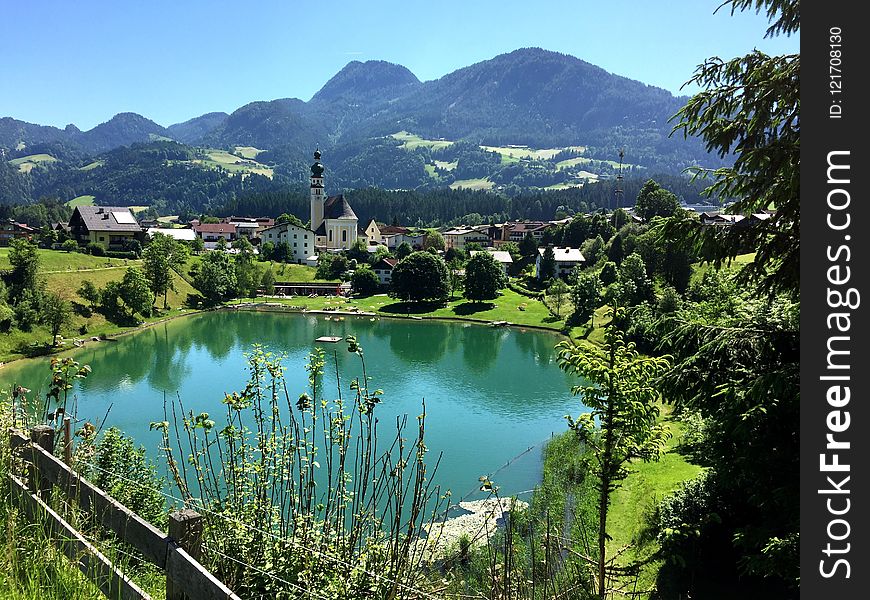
[{"x": 491, "y": 393}]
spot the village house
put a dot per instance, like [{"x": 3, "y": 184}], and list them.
[
  {"x": 501, "y": 257},
  {"x": 458, "y": 238},
  {"x": 11, "y": 230},
  {"x": 727, "y": 220},
  {"x": 515, "y": 231},
  {"x": 300, "y": 240},
  {"x": 414, "y": 238},
  {"x": 211, "y": 233},
  {"x": 249, "y": 227},
  {"x": 384, "y": 270},
  {"x": 374, "y": 234},
  {"x": 566, "y": 260},
  {"x": 109, "y": 226}
]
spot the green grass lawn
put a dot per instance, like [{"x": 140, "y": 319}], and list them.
[
  {"x": 92, "y": 165},
  {"x": 411, "y": 141},
  {"x": 524, "y": 152},
  {"x": 505, "y": 308},
  {"x": 293, "y": 273},
  {"x": 698, "y": 269},
  {"x": 58, "y": 260},
  {"x": 26, "y": 163},
  {"x": 472, "y": 184},
  {"x": 232, "y": 163},
  {"x": 565, "y": 185},
  {"x": 647, "y": 484},
  {"x": 33, "y": 158},
  {"x": 85, "y": 200},
  {"x": 247, "y": 151},
  {"x": 447, "y": 166}
]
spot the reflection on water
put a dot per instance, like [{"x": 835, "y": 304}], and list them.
[{"x": 490, "y": 392}]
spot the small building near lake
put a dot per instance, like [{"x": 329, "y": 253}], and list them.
[
  {"x": 566, "y": 260},
  {"x": 112, "y": 227}
]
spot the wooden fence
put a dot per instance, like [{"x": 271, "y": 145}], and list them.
[{"x": 176, "y": 553}]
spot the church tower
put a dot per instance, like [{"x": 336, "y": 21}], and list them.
[{"x": 317, "y": 195}]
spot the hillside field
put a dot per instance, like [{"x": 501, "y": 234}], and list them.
[{"x": 64, "y": 274}]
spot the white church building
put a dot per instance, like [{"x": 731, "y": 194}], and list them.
[{"x": 333, "y": 221}]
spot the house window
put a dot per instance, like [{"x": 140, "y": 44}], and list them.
[
  {"x": 295, "y": 236},
  {"x": 295, "y": 244},
  {"x": 344, "y": 235},
  {"x": 102, "y": 239},
  {"x": 330, "y": 235}
]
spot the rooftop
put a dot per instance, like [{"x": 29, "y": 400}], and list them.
[
  {"x": 565, "y": 254},
  {"x": 107, "y": 218}
]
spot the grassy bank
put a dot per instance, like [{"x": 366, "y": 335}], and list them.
[
  {"x": 648, "y": 484},
  {"x": 567, "y": 499},
  {"x": 64, "y": 274},
  {"x": 510, "y": 307}
]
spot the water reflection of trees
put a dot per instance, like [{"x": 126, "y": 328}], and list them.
[
  {"x": 480, "y": 346},
  {"x": 503, "y": 362},
  {"x": 419, "y": 342}
]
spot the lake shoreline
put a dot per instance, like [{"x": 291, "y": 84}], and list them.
[
  {"x": 281, "y": 307},
  {"x": 275, "y": 307}
]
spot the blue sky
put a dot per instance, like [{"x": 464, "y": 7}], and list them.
[{"x": 82, "y": 62}]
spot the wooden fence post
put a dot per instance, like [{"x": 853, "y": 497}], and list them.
[
  {"x": 43, "y": 436},
  {"x": 185, "y": 527},
  {"x": 67, "y": 441}
]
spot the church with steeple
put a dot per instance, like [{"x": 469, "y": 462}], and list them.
[{"x": 335, "y": 224}]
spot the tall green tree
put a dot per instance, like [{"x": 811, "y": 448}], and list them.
[
  {"x": 636, "y": 284},
  {"x": 364, "y": 280},
  {"x": 24, "y": 258},
  {"x": 197, "y": 245},
  {"x": 558, "y": 292},
  {"x": 749, "y": 107},
  {"x": 585, "y": 296},
  {"x": 434, "y": 241},
  {"x": 135, "y": 291},
  {"x": 420, "y": 276},
  {"x": 247, "y": 276},
  {"x": 161, "y": 258},
  {"x": 620, "y": 386},
  {"x": 547, "y": 267},
  {"x": 528, "y": 246},
  {"x": 288, "y": 218},
  {"x": 484, "y": 277},
  {"x": 56, "y": 313},
  {"x": 267, "y": 281},
  {"x": 655, "y": 201},
  {"x": 404, "y": 249},
  {"x": 216, "y": 278},
  {"x": 89, "y": 293},
  {"x": 359, "y": 251},
  {"x": 741, "y": 369}
]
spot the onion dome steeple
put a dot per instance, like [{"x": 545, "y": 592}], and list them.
[{"x": 317, "y": 168}]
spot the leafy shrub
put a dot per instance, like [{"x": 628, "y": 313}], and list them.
[
  {"x": 95, "y": 249},
  {"x": 118, "y": 462},
  {"x": 681, "y": 519},
  {"x": 694, "y": 432}
]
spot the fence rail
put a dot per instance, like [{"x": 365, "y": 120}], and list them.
[{"x": 186, "y": 578}]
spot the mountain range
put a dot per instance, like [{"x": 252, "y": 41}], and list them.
[{"x": 530, "y": 97}]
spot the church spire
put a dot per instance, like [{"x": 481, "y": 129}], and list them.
[{"x": 317, "y": 195}]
